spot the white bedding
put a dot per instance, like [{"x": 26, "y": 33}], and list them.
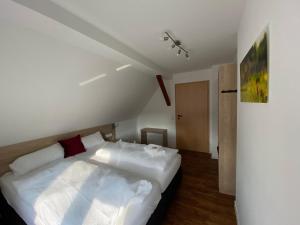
[
  {"x": 39, "y": 202},
  {"x": 133, "y": 165},
  {"x": 135, "y": 153}
]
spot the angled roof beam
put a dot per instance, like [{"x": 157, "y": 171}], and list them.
[{"x": 163, "y": 89}]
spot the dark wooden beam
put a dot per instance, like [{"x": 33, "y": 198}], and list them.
[{"x": 163, "y": 89}]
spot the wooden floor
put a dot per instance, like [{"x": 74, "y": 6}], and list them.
[{"x": 198, "y": 201}]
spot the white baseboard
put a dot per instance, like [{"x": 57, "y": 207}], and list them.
[{"x": 236, "y": 213}]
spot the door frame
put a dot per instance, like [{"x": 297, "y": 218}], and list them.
[{"x": 209, "y": 110}]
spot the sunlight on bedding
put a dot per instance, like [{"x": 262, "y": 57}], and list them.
[
  {"x": 138, "y": 154},
  {"x": 103, "y": 156},
  {"x": 76, "y": 192},
  {"x": 90, "y": 219}
]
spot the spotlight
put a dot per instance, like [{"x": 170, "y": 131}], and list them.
[
  {"x": 164, "y": 38},
  {"x": 175, "y": 43},
  {"x": 179, "y": 51}
]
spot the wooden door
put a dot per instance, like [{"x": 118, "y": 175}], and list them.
[
  {"x": 192, "y": 116},
  {"x": 227, "y": 128}
]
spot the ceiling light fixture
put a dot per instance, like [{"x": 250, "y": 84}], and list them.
[
  {"x": 92, "y": 79},
  {"x": 187, "y": 56},
  {"x": 123, "y": 67},
  {"x": 175, "y": 43},
  {"x": 179, "y": 51}
]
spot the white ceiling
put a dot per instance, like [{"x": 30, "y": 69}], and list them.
[
  {"x": 206, "y": 27},
  {"x": 35, "y": 19}
]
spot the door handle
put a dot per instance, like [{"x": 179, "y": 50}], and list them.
[{"x": 179, "y": 116}]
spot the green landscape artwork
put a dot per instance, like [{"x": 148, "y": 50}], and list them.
[{"x": 255, "y": 73}]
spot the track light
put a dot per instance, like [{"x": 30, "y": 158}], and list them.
[
  {"x": 164, "y": 37},
  {"x": 175, "y": 43}
]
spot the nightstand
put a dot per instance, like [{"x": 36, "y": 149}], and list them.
[{"x": 163, "y": 132}]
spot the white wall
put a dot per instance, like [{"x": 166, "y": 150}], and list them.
[
  {"x": 127, "y": 130},
  {"x": 157, "y": 114},
  {"x": 268, "y": 165},
  {"x": 40, "y": 93}
]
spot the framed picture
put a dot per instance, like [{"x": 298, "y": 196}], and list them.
[{"x": 254, "y": 72}]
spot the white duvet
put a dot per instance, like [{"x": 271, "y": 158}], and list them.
[
  {"x": 137, "y": 154},
  {"x": 73, "y": 192}
]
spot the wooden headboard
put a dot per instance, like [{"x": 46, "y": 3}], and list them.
[{"x": 11, "y": 152}]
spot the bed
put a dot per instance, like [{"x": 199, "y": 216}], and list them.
[
  {"x": 23, "y": 201},
  {"x": 150, "y": 211},
  {"x": 12, "y": 212},
  {"x": 120, "y": 155}
]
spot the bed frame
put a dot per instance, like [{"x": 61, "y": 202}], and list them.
[
  {"x": 8, "y": 216},
  {"x": 166, "y": 199},
  {"x": 9, "y": 153}
]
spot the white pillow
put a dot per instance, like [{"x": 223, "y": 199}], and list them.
[
  {"x": 92, "y": 140},
  {"x": 31, "y": 161}
]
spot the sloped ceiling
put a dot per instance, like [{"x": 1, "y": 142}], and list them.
[
  {"x": 208, "y": 28},
  {"x": 39, "y": 81},
  {"x": 111, "y": 45}
]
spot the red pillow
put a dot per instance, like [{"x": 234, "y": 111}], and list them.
[{"x": 72, "y": 146}]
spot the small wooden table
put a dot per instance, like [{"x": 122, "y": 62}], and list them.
[{"x": 164, "y": 133}]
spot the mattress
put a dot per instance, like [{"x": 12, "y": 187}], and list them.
[
  {"x": 162, "y": 177},
  {"x": 138, "y": 213}
]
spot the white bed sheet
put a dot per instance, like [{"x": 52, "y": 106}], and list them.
[
  {"x": 164, "y": 178},
  {"x": 139, "y": 154},
  {"x": 138, "y": 213}
]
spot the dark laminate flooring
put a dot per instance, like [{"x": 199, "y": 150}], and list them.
[{"x": 198, "y": 201}]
